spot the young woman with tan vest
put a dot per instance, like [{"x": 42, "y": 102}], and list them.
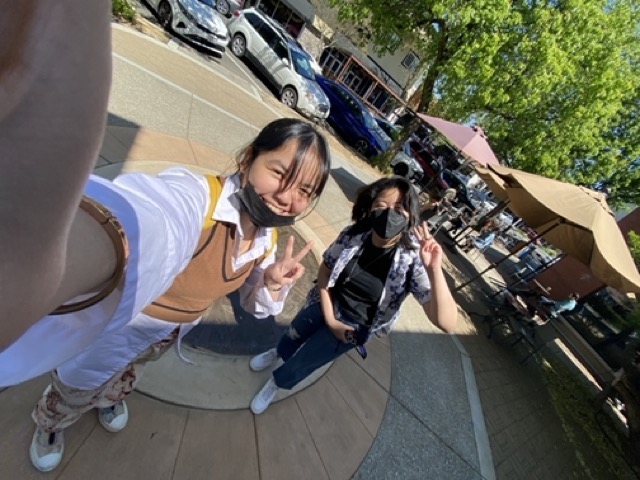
[
  {"x": 106, "y": 250},
  {"x": 191, "y": 240}
]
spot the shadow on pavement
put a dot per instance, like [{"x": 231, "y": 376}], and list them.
[
  {"x": 348, "y": 183},
  {"x": 119, "y": 138},
  {"x": 114, "y": 120}
]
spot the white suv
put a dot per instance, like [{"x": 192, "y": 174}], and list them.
[{"x": 281, "y": 58}]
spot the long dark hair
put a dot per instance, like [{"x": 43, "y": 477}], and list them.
[
  {"x": 367, "y": 195},
  {"x": 276, "y": 134}
]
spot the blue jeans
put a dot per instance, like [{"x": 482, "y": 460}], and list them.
[{"x": 307, "y": 345}]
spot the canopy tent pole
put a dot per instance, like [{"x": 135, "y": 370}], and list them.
[
  {"x": 531, "y": 275},
  {"x": 499, "y": 208},
  {"x": 495, "y": 265}
]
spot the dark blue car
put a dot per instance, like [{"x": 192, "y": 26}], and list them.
[{"x": 352, "y": 120}]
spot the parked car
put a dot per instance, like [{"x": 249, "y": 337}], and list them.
[
  {"x": 387, "y": 127},
  {"x": 431, "y": 166},
  {"x": 193, "y": 20},
  {"x": 405, "y": 165},
  {"x": 225, "y": 7},
  {"x": 352, "y": 120},
  {"x": 317, "y": 69},
  {"x": 284, "y": 63}
]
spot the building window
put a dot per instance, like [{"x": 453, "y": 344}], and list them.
[
  {"x": 268, "y": 7},
  {"x": 283, "y": 15},
  {"x": 332, "y": 61},
  {"x": 411, "y": 61}
]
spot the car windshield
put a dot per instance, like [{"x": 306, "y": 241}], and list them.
[
  {"x": 302, "y": 65},
  {"x": 383, "y": 135},
  {"x": 369, "y": 121},
  {"x": 387, "y": 127}
]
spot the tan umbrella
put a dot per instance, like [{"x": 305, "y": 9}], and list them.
[{"x": 573, "y": 218}]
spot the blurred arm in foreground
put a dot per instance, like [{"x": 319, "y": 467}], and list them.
[{"x": 55, "y": 73}]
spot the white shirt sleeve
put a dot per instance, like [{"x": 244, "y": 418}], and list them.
[
  {"x": 163, "y": 217},
  {"x": 255, "y": 298},
  {"x": 170, "y": 209}
]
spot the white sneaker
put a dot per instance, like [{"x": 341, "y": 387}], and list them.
[
  {"x": 264, "y": 397},
  {"x": 46, "y": 449},
  {"x": 114, "y": 418},
  {"x": 264, "y": 360}
]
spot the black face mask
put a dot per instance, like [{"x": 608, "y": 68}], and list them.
[
  {"x": 388, "y": 223},
  {"x": 258, "y": 212}
]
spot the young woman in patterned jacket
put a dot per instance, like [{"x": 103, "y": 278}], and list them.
[{"x": 365, "y": 276}]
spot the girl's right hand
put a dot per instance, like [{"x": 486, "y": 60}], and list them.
[{"x": 339, "y": 329}]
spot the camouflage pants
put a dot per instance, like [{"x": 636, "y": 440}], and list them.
[{"x": 61, "y": 405}]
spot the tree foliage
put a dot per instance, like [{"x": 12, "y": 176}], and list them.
[
  {"x": 123, "y": 9},
  {"x": 554, "y": 83},
  {"x": 633, "y": 239}
]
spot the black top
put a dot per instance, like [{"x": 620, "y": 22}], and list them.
[{"x": 359, "y": 286}]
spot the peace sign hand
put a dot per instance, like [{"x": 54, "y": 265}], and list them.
[
  {"x": 287, "y": 269},
  {"x": 430, "y": 250}
]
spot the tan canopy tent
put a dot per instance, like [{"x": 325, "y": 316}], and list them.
[{"x": 575, "y": 219}]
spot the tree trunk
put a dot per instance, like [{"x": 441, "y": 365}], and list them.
[
  {"x": 384, "y": 159},
  {"x": 629, "y": 397},
  {"x": 628, "y": 390}
]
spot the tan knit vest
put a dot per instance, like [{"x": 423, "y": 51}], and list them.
[
  {"x": 208, "y": 277},
  {"x": 209, "y": 274}
]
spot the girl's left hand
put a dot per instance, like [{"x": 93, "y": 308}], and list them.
[
  {"x": 430, "y": 250},
  {"x": 287, "y": 269}
]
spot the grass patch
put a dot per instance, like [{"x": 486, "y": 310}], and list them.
[
  {"x": 123, "y": 10},
  {"x": 597, "y": 442}
]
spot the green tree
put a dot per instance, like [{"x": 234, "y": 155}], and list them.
[
  {"x": 554, "y": 83},
  {"x": 618, "y": 161},
  {"x": 633, "y": 239}
]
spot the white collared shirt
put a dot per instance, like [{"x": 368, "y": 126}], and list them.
[
  {"x": 163, "y": 216},
  {"x": 254, "y": 296}
]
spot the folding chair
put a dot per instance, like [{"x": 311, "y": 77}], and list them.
[{"x": 480, "y": 247}]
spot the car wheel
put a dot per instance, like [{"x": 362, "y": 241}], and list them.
[
  {"x": 238, "y": 45},
  {"x": 165, "y": 15},
  {"x": 362, "y": 146},
  {"x": 289, "y": 97},
  {"x": 223, "y": 7},
  {"x": 401, "y": 169}
]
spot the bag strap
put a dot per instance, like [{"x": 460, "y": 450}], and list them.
[
  {"x": 215, "y": 189},
  {"x": 274, "y": 242}
]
